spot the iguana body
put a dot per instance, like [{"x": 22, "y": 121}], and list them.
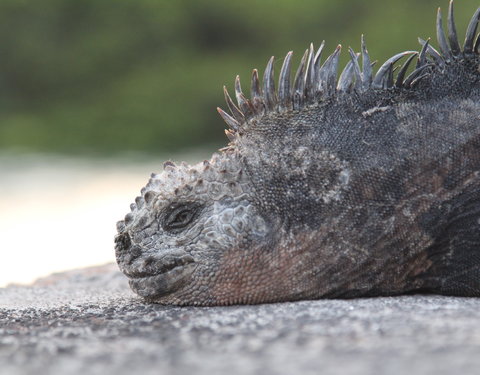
[{"x": 363, "y": 185}]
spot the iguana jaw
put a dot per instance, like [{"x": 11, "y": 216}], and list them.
[
  {"x": 160, "y": 285},
  {"x": 155, "y": 276}
]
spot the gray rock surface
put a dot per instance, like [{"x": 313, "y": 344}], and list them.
[{"x": 88, "y": 322}]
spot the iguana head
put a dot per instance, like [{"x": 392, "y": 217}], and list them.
[{"x": 192, "y": 236}]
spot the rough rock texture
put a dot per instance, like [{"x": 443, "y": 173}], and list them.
[{"x": 89, "y": 322}]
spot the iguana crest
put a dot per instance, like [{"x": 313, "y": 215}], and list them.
[
  {"x": 362, "y": 185},
  {"x": 316, "y": 81}
]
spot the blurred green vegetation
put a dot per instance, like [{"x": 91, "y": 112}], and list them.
[{"x": 108, "y": 77}]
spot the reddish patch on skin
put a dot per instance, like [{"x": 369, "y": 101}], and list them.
[
  {"x": 243, "y": 276},
  {"x": 315, "y": 266},
  {"x": 262, "y": 275}
]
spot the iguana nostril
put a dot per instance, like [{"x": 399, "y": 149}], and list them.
[
  {"x": 122, "y": 242},
  {"x": 135, "y": 251}
]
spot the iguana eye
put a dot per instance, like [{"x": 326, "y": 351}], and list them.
[{"x": 179, "y": 216}]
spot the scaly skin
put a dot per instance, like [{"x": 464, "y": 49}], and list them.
[{"x": 364, "y": 186}]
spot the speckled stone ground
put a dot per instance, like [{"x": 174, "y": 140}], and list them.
[{"x": 88, "y": 322}]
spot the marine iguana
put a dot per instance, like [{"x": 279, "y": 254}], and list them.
[{"x": 365, "y": 185}]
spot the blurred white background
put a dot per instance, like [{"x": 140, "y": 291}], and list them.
[{"x": 58, "y": 214}]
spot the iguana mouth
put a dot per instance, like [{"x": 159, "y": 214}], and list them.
[
  {"x": 165, "y": 276},
  {"x": 160, "y": 266}
]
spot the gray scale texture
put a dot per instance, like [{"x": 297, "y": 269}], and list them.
[{"x": 89, "y": 322}]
